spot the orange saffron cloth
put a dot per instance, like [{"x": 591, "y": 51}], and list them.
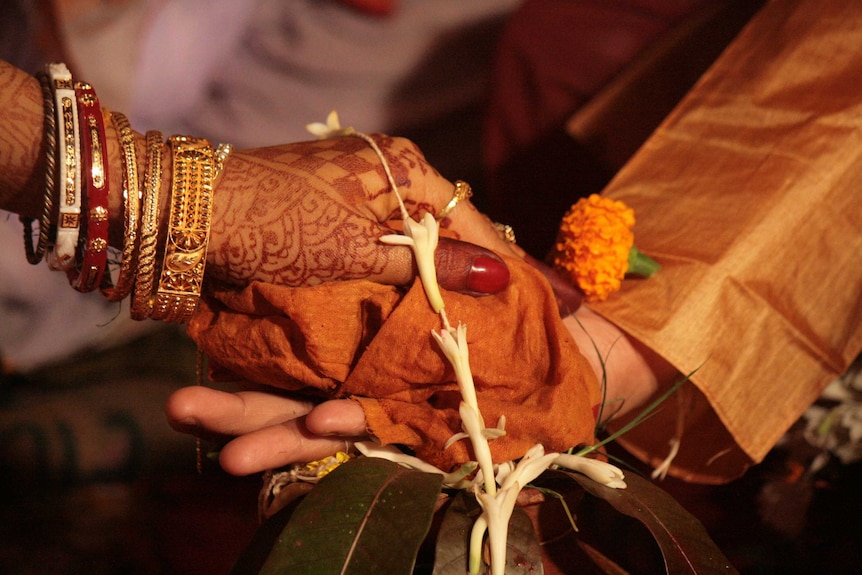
[
  {"x": 373, "y": 343},
  {"x": 750, "y": 197}
]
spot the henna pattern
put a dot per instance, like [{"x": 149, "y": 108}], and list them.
[
  {"x": 310, "y": 212},
  {"x": 21, "y": 155}
]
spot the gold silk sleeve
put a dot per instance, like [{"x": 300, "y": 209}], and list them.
[{"x": 750, "y": 196}]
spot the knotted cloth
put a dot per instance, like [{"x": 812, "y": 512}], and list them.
[{"x": 373, "y": 343}]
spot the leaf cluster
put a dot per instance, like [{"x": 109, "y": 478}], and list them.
[{"x": 372, "y": 516}]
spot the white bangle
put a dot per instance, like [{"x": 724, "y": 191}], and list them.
[{"x": 61, "y": 255}]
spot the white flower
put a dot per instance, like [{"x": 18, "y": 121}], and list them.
[
  {"x": 496, "y": 513},
  {"x": 390, "y": 453},
  {"x": 331, "y": 129},
  {"x": 458, "y": 354},
  {"x": 497, "y": 507},
  {"x": 532, "y": 465},
  {"x": 488, "y": 432},
  {"x": 422, "y": 237},
  {"x": 473, "y": 424},
  {"x": 599, "y": 471}
]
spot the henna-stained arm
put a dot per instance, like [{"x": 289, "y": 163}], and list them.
[{"x": 298, "y": 214}]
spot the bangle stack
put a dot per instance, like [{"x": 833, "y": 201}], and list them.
[{"x": 161, "y": 269}]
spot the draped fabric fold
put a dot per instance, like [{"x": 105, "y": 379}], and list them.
[
  {"x": 750, "y": 196},
  {"x": 373, "y": 343}
]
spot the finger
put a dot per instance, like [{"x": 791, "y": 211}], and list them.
[
  {"x": 461, "y": 267},
  {"x": 276, "y": 446},
  {"x": 471, "y": 225},
  {"x": 201, "y": 410},
  {"x": 470, "y": 269},
  {"x": 337, "y": 417}
]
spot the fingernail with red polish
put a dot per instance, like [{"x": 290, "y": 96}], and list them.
[{"x": 487, "y": 275}]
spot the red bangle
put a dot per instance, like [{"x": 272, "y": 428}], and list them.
[{"x": 92, "y": 251}]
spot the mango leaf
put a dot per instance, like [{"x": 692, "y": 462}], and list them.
[
  {"x": 366, "y": 517},
  {"x": 523, "y": 555},
  {"x": 684, "y": 543},
  {"x": 259, "y": 548}
]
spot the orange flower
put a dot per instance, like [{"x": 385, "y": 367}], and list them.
[{"x": 595, "y": 244}]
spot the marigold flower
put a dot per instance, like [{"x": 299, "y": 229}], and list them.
[{"x": 595, "y": 246}]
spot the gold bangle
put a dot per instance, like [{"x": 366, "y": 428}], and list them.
[
  {"x": 184, "y": 261},
  {"x": 142, "y": 297},
  {"x": 462, "y": 192},
  {"x": 132, "y": 197},
  {"x": 37, "y": 252}
]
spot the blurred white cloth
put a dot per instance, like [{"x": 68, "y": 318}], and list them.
[
  {"x": 42, "y": 319},
  {"x": 255, "y": 72}
]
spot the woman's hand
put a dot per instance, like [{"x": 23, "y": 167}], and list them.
[
  {"x": 309, "y": 212},
  {"x": 297, "y": 214}
]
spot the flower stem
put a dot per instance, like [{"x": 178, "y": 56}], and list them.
[{"x": 641, "y": 264}]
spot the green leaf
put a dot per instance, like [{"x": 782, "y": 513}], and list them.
[
  {"x": 368, "y": 516},
  {"x": 684, "y": 543},
  {"x": 523, "y": 554}
]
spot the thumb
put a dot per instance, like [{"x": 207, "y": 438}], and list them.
[
  {"x": 461, "y": 267},
  {"x": 470, "y": 269}
]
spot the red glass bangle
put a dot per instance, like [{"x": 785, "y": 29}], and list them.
[{"x": 92, "y": 250}]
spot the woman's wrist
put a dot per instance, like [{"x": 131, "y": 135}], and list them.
[
  {"x": 632, "y": 372},
  {"x": 22, "y": 162}
]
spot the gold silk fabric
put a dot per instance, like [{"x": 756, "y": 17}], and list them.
[
  {"x": 750, "y": 196},
  {"x": 373, "y": 343}
]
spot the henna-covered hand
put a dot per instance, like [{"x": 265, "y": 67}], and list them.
[{"x": 309, "y": 212}]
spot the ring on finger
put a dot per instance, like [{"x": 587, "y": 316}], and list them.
[
  {"x": 461, "y": 193},
  {"x": 507, "y": 233}
]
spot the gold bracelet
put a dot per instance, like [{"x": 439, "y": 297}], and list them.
[
  {"x": 184, "y": 261},
  {"x": 142, "y": 297},
  {"x": 132, "y": 197},
  {"x": 462, "y": 192}
]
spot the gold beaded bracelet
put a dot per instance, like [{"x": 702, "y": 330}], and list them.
[{"x": 184, "y": 261}]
